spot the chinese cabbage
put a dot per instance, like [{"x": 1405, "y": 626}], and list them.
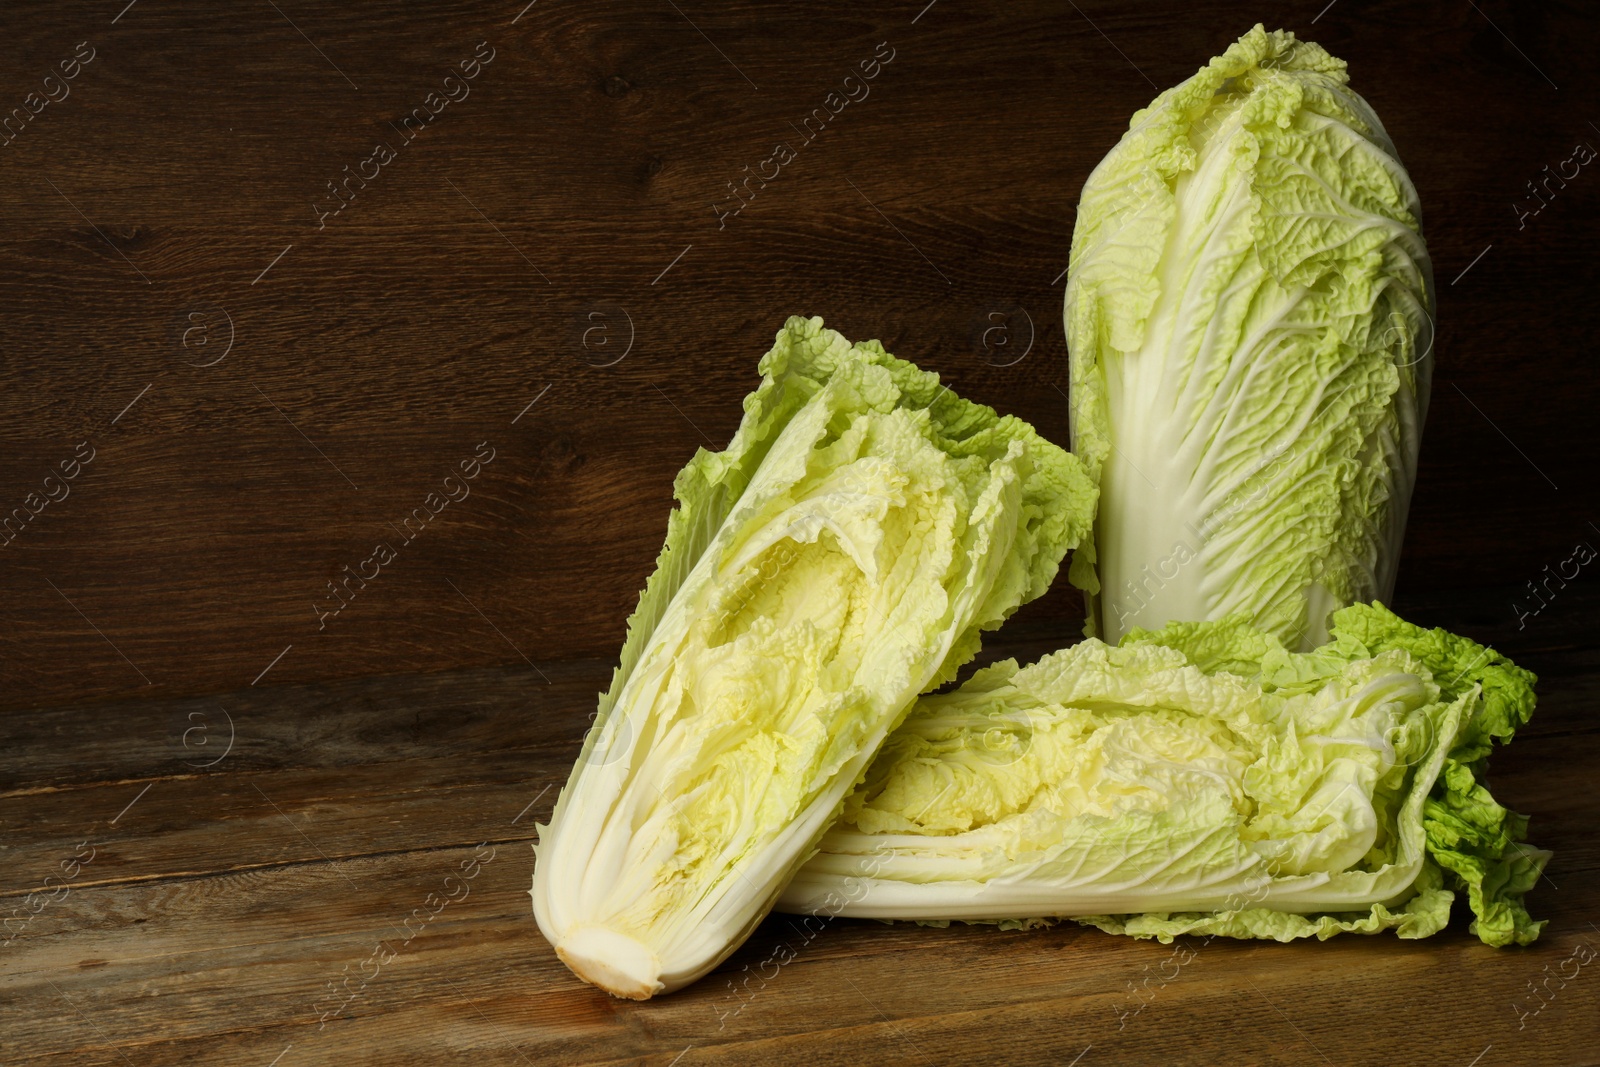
[
  {"x": 838, "y": 558},
  {"x": 1198, "y": 779},
  {"x": 1249, "y": 319}
]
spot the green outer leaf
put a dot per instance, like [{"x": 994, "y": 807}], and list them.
[
  {"x": 1479, "y": 842},
  {"x": 1422, "y": 916}
]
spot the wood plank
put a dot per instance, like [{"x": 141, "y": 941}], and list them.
[
  {"x": 378, "y": 790},
  {"x": 481, "y": 979}
]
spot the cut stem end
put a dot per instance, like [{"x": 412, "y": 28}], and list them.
[{"x": 615, "y": 962}]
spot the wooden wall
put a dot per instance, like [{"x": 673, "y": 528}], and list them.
[{"x": 176, "y": 198}]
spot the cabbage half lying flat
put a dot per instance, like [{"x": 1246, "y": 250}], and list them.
[
  {"x": 1248, "y": 311},
  {"x": 1202, "y": 780},
  {"x": 840, "y": 557}
]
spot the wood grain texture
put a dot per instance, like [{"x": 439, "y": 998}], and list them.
[
  {"x": 221, "y": 901},
  {"x": 266, "y": 396},
  {"x": 381, "y": 348}
]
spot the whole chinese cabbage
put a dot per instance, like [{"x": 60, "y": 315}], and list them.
[
  {"x": 1248, "y": 311},
  {"x": 1201, "y": 779},
  {"x": 838, "y": 558}
]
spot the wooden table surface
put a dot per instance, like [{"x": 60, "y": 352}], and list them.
[{"x": 253, "y": 793}]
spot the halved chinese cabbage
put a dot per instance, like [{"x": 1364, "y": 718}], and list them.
[
  {"x": 838, "y": 558},
  {"x": 1200, "y": 779},
  {"x": 1248, "y": 311}
]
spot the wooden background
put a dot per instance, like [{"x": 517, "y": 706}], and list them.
[{"x": 264, "y": 397}]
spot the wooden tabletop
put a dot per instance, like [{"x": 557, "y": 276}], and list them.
[
  {"x": 261, "y": 305},
  {"x": 347, "y": 883}
]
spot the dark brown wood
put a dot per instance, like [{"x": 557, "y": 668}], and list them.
[
  {"x": 454, "y": 290},
  {"x": 265, "y": 395}
]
